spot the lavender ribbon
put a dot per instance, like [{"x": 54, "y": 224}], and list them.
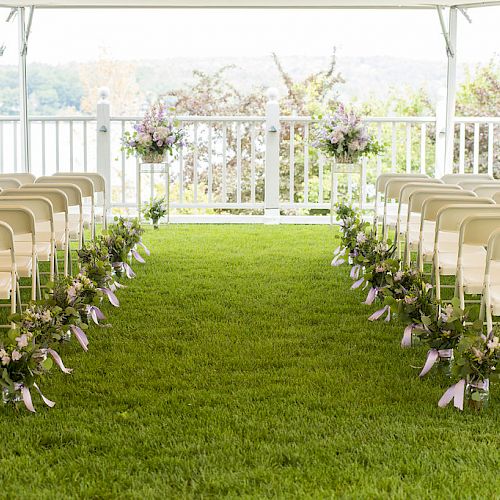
[
  {"x": 337, "y": 256},
  {"x": 58, "y": 361},
  {"x": 355, "y": 271},
  {"x": 81, "y": 337},
  {"x": 111, "y": 296},
  {"x": 28, "y": 402},
  {"x": 372, "y": 295},
  {"x": 432, "y": 357},
  {"x": 357, "y": 284},
  {"x": 406, "y": 340},
  {"x": 148, "y": 253},
  {"x": 47, "y": 401},
  {"x": 95, "y": 313},
  {"x": 455, "y": 393},
  {"x": 128, "y": 271},
  {"x": 138, "y": 257},
  {"x": 377, "y": 314}
]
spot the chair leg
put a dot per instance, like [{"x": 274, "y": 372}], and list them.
[{"x": 38, "y": 282}]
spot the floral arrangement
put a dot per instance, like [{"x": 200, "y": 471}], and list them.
[
  {"x": 155, "y": 209},
  {"x": 154, "y": 136},
  {"x": 344, "y": 137},
  {"x": 30, "y": 348}
]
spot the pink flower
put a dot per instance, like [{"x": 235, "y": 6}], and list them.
[{"x": 16, "y": 355}]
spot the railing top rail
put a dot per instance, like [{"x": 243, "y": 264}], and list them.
[
  {"x": 479, "y": 119},
  {"x": 194, "y": 118}
]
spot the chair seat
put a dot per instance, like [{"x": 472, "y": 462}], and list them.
[
  {"x": 5, "y": 285},
  {"x": 473, "y": 277},
  {"x": 74, "y": 228},
  {"x": 473, "y": 257},
  {"x": 24, "y": 264},
  {"x": 75, "y": 219},
  {"x": 495, "y": 299},
  {"x": 43, "y": 250}
]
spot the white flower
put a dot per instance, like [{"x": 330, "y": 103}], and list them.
[
  {"x": 22, "y": 341},
  {"x": 398, "y": 276},
  {"x": 493, "y": 344},
  {"x": 361, "y": 238},
  {"x": 16, "y": 355},
  {"x": 45, "y": 316},
  {"x": 5, "y": 359}
]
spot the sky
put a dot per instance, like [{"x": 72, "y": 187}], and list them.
[{"x": 60, "y": 36}]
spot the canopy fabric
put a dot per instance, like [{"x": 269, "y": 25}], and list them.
[{"x": 367, "y": 4}]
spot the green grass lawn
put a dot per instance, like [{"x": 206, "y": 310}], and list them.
[{"x": 241, "y": 364}]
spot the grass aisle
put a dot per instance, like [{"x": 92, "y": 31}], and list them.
[{"x": 240, "y": 364}]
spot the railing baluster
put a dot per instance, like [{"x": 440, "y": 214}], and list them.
[
  {"x": 252, "y": 163},
  {"x": 195, "y": 163},
  {"x": 71, "y": 146},
  {"x": 43, "y": 149},
  {"x": 238, "y": 162},
  {"x": 15, "y": 145},
  {"x": 1, "y": 148},
  {"x": 57, "y": 145},
  {"x": 461, "y": 149},
  {"x": 394, "y": 148},
  {"x": 490, "y": 148},
  {"x": 292, "y": 163},
  {"x": 123, "y": 166},
  {"x": 321, "y": 167},
  {"x": 306, "y": 163},
  {"x": 408, "y": 148},
  {"x": 85, "y": 167},
  {"x": 379, "y": 157},
  {"x": 476, "y": 148},
  {"x": 423, "y": 144},
  {"x": 181, "y": 175},
  {"x": 210, "y": 167},
  {"x": 224, "y": 163}
]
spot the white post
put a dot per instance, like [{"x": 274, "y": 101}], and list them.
[
  {"x": 440, "y": 134},
  {"x": 272, "y": 165},
  {"x": 451, "y": 81},
  {"x": 104, "y": 141},
  {"x": 23, "y": 91}
]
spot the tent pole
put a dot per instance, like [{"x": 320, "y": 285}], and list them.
[
  {"x": 451, "y": 89},
  {"x": 23, "y": 87}
]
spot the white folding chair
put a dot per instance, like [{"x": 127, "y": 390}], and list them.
[
  {"x": 22, "y": 177},
  {"x": 59, "y": 201},
  {"x": 391, "y": 193},
  {"x": 456, "y": 178},
  {"x": 8, "y": 183},
  {"x": 449, "y": 219},
  {"x": 474, "y": 231},
  {"x": 22, "y": 222},
  {"x": 474, "y": 183},
  {"x": 44, "y": 226},
  {"x": 8, "y": 279},
  {"x": 99, "y": 182},
  {"x": 487, "y": 190},
  {"x": 380, "y": 184},
  {"x": 421, "y": 229},
  {"x": 490, "y": 301}
]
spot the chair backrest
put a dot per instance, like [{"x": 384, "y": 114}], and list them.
[
  {"x": 9, "y": 182},
  {"x": 72, "y": 191},
  {"x": 420, "y": 196},
  {"x": 393, "y": 186},
  {"x": 456, "y": 178},
  {"x": 40, "y": 206},
  {"x": 472, "y": 184},
  {"x": 451, "y": 217},
  {"x": 487, "y": 189},
  {"x": 98, "y": 180},
  {"x": 432, "y": 206},
  {"x": 383, "y": 179},
  {"x": 408, "y": 189},
  {"x": 57, "y": 197},
  {"x": 21, "y": 220},
  {"x": 6, "y": 238},
  {"x": 22, "y": 177},
  {"x": 477, "y": 229},
  {"x": 84, "y": 183}
]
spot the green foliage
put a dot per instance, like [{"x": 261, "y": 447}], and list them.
[{"x": 155, "y": 209}]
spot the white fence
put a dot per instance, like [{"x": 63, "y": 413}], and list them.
[{"x": 223, "y": 169}]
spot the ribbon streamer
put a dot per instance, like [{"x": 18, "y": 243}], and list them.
[
  {"x": 337, "y": 262},
  {"x": 95, "y": 313},
  {"x": 357, "y": 284},
  {"x": 58, "y": 361},
  {"x": 28, "y": 402},
  {"x": 81, "y": 337},
  {"x": 128, "y": 271},
  {"x": 432, "y": 357},
  {"x": 455, "y": 393},
  {"x": 372, "y": 295},
  {"x": 406, "y": 340},
  {"x": 355, "y": 271},
  {"x": 47, "y": 401},
  {"x": 378, "y": 314},
  {"x": 111, "y": 296},
  {"x": 146, "y": 249},
  {"x": 138, "y": 257}
]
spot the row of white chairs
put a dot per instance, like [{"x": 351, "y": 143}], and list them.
[
  {"x": 453, "y": 224},
  {"x": 38, "y": 218}
]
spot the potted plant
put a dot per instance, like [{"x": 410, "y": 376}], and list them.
[
  {"x": 155, "y": 210},
  {"x": 154, "y": 136}
]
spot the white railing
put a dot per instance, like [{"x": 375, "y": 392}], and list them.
[{"x": 223, "y": 167}]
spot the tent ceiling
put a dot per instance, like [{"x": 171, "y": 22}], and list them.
[{"x": 415, "y": 4}]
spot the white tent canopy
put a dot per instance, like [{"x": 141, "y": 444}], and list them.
[
  {"x": 25, "y": 11},
  {"x": 344, "y": 4}
]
